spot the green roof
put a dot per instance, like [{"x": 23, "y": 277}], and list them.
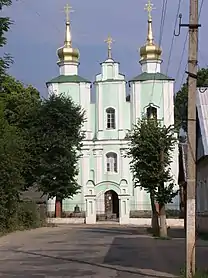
[
  {"x": 109, "y": 80},
  {"x": 68, "y": 79},
  {"x": 151, "y": 76}
]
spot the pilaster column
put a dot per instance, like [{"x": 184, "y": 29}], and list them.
[
  {"x": 98, "y": 154},
  {"x": 100, "y": 108},
  {"x": 85, "y": 168},
  {"x": 125, "y": 173}
]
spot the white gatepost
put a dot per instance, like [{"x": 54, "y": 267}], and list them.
[
  {"x": 90, "y": 204},
  {"x": 124, "y": 210},
  {"x": 124, "y": 204}
]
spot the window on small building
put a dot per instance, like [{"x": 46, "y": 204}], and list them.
[
  {"x": 112, "y": 165},
  {"x": 152, "y": 112},
  {"x": 111, "y": 118}
]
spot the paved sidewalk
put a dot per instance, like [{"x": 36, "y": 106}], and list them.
[{"x": 93, "y": 251}]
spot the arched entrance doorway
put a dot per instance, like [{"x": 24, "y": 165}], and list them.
[{"x": 111, "y": 205}]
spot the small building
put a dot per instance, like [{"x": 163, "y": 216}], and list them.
[
  {"x": 202, "y": 158},
  {"x": 201, "y": 163}
]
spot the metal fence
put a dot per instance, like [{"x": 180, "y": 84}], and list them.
[
  {"x": 144, "y": 210},
  {"x": 108, "y": 210},
  {"x": 70, "y": 209}
]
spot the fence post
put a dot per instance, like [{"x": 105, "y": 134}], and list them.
[
  {"x": 124, "y": 210},
  {"x": 90, "y": 209}
]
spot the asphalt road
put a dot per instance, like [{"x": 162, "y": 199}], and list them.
[{"x": 93, "y": 251}]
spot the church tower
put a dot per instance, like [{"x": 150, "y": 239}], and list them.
[
  {"x": 152, "y": 92},
  {"x": 69, "y": 82},
  {"x": 110, "y": 88}
]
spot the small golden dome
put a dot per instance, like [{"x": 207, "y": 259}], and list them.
[
  {"x": 150, "y": 51},
  {"x": 67, "y": 53}
]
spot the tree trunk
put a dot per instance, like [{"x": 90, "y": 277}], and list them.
[
  {"x": 163, "y": 225},
  {"x": 155, "y": 222},
  {"x": 58, "y": 208}
]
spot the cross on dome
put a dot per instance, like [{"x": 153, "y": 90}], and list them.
[
  {"x": 149, "y": 7},
  {"x": 109, "y": 42},
  {"x": 68, "y": 10}
]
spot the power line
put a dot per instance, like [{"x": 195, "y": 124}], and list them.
[
  {"x": 173, "y": 37},
  {"x": 183, "y": 51},
  {"x": 171, "y": 47},
  {"x": 162, "y": 22},
  {"x": 184, "y": 47}
]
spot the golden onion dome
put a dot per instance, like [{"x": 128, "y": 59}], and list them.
[
  {"x": 67, "y": 53},
  {"x": 150, "y": 51}
]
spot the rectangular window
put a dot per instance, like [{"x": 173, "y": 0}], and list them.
[
  {"x": 115, "y": 166},
  {"x": 110, "y": 118},
  {"x": 111, "y": 121},
  {"x": 108, "y": 167}
]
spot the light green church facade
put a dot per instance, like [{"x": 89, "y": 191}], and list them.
[{"x": 104, "y": 170}]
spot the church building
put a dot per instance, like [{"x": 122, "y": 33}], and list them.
[{"x": 107, "y": 188}]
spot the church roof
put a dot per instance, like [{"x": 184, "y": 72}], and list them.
[
  {"x": 32, "y": 194},
  {"x": 150, "y": 76},
  {"x": 68, "y": 79}
]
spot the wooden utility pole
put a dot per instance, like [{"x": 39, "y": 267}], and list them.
[{"x": 191, "y": 156}]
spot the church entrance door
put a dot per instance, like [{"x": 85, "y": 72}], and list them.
[{"x": 111, "y": 205}]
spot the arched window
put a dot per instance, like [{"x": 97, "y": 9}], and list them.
[
  {"x": 112, "y": 165},
  {"x": 152, "y": 112},
  {"x": 111, "y": 118}
]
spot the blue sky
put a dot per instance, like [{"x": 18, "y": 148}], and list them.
[{"x": 38, "y": 31}]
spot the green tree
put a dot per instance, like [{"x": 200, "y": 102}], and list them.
[
  {"x": 5, "y": 24},
  {"x": 55, "y": 129},
  {"x": 19, "y": 102},
  {"x": 181, "y": 99},
  {"x": 12, "y": 161},
  {"x": 150, "y": 149}
]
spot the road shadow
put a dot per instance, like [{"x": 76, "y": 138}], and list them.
[
  {"x": 117, "y": 230},
  {"x": 148, "y": 253},
  {"x": 172, "y": 232},
  {"x": 57, "y": 266},
  {"x": 129, "y": 230}
]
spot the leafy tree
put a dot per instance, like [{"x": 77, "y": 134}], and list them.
[
  {"x": 181, "y": 99},
  {"x": 12, "y": 161},
  {"x": 55, "y": 129},
  {"x": 18, "y": 102},
  {"x": 150, "y": 149},
  {"x": 5, "y": 24}
]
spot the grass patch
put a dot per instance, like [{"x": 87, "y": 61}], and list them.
[
  {"x": 203, "y": 236},
  {"x": 150, "y": 232},
  {"x": 199, "y": 273}
]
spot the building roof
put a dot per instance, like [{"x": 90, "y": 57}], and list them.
[
  {"x": 32, "y": 194},
  {"x": 68, "y": 79},
  {"x": 202, "y": 122},
  {"x": 150, "y": 76}
]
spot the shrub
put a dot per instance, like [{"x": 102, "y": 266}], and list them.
[
  {"x": 29, "y": 215},
  {"x": 23, "y": 215}
]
